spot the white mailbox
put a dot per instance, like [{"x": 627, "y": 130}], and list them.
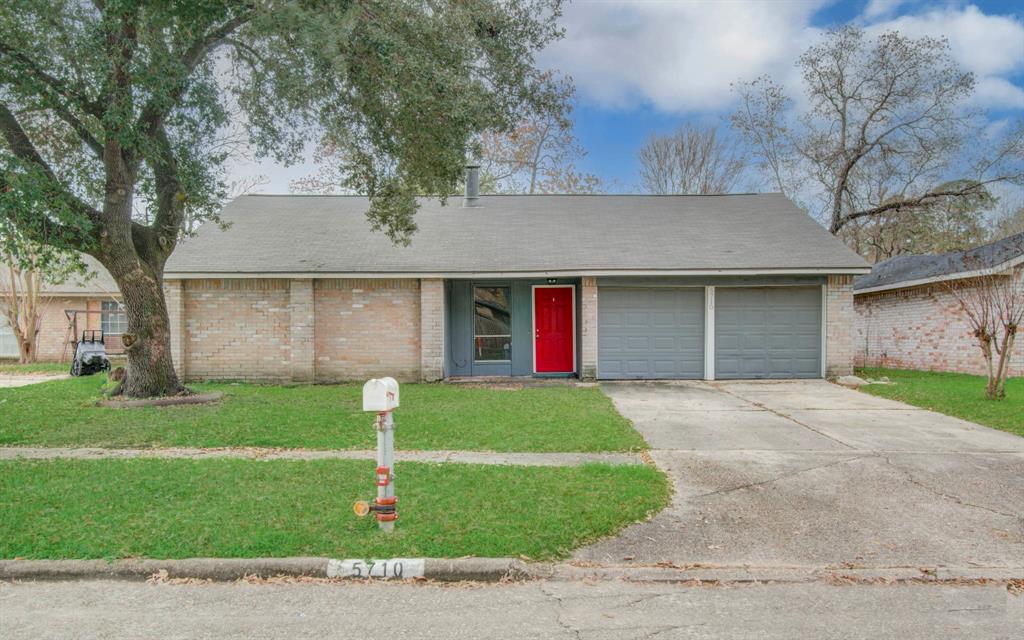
[{"x": 380, "y": 394}]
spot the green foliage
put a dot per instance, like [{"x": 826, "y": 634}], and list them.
[
  {"x": 955, "y": 394},
  {"x": 432, "y": 416},
  {"x": 242, "y": 508},
  {"x": 400, "y": 85}
]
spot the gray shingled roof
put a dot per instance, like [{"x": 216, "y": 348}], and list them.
[
  {"x": 100, "y": 285},
  {"x": 541, "y": 233},
  {"x": 910, "y": 268}
]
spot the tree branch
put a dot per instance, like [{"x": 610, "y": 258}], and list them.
[
  {"x": 156, "y": 110},
  {"x": 924, "y": 199},
  {"x": 92, "y": 107},
  {"x": 23, "y": 149}
]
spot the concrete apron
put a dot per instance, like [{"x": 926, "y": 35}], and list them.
[{"x": 813, "y": 478}]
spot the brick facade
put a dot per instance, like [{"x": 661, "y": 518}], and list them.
[
  {"x": 174, "y": 297},
  {"x": 237, "y": 329},
  {"x": 55, "y": 343},
  {"x": 301, "y": 329},
  {"x": 588, "y": 327},
  {"x": 921, "y": 328},
  {"x": 432, "y": 328},
  {"x": 840, "y": 319},
  {"x": 367, "y": 328}
]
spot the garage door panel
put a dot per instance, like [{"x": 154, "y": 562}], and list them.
[
  {"x": 662, "y": 336},
  {"x": 768, "y": 332}
]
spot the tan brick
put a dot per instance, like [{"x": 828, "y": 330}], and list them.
[{"x": 921, "y": 328}]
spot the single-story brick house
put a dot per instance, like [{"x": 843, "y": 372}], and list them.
[
  {"x": 907, "y": 318},
  {"x": 300, "y": 288},
  {"x": 68, "y": 309}
]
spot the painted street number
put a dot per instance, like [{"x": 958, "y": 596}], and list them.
[{"x": 397, "y": 568}]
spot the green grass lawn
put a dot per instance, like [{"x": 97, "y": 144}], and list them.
[
  {"x": 432, "y": 416},
  {"x": 242, "y": 508},
  {"x": 954, "y": 394}
]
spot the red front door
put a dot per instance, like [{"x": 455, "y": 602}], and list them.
[{"x": 554, "y": 329}]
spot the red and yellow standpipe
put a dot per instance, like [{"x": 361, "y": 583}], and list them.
[{"x": 381, "y": 395}]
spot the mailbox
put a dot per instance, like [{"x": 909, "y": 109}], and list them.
[{"x": 380, "y": 394}]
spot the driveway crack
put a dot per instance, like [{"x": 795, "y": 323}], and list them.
[
  {"x": 784, "y": 416},
  {"x": 948, "y": 496},
  {"x": 779, "y": 477}
]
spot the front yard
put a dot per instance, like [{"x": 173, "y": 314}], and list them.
[
  {"x": 954, "y": 394},
  {"x": 181, "y": 508},
  {"x": 432, "y": 416},
  {"x": 243, "y": 508}
]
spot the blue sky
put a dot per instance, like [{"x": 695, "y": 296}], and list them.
[{"x": 647, "y": 66}]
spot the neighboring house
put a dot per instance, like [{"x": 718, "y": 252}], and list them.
[
  {"x": 94, "y": 304},
  {"x": 907, "y": 318},
  {"x": 634, "y": 287}
]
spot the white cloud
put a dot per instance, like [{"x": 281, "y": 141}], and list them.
[
  {"x": 681, "y": 57},
  {"x": 677, "y": 56},
  {"x": 879, "y": 8}
]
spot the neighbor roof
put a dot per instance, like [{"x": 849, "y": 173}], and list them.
[
  {"x": 563, "y": 234},
  {"x": 97, "y": 283},
  {"x": 911, "y": 270}
]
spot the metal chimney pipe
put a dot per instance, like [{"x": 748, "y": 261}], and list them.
[{"x": 472, "y": 198}]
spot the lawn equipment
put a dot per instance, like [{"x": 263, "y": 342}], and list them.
[{"x": 90, "y": 355}]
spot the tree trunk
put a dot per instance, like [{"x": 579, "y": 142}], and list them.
[{"x": 148, "y": 340}]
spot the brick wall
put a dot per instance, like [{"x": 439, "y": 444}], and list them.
[
  {"x": 367, "y": 328},
  {"x": 432, "y": 328},
  {"x": 921, "y": 328},
  {"x": 588, "y": 327},
  {"x": 237, "y": 329},
  {"x": 840, "y": 326},
  {"x": 174, "y": 296},
  {"x": 301, "y": 330}
]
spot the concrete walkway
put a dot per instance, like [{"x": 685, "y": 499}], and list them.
[
  {"x": 23, "y": 380},
  {"x": 467, "y": 457},
  {"x": 806, "y": 473}
]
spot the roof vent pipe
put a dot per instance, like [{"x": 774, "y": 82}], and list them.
[{"x": 472, "y": 198}]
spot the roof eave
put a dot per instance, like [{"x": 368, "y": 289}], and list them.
[
  {"x": 201, "y": 275},
  {"x": 1001, "y": 268}
]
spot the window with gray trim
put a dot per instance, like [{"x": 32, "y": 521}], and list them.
[
  {"x": 113, "y": 320},
  {"x": 492, "y": 324}
]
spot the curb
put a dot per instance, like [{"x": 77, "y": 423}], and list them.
[{"x": 231, "y": 569}]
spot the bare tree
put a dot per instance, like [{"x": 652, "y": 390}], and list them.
[
  {"x": 538, "y": 155},
  {"x": 27, "y": 271},
  {"x": 884, "y": 131},
  {"x": 691, "y": 159},
  {"x": 994, "y": 306}
]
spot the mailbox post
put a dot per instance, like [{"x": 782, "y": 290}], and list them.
[{"x": 380, "y": 395}]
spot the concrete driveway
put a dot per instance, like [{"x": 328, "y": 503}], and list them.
[{"x": 810, "y": 474}]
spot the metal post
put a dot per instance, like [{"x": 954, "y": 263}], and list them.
[{"x": 386, "y": 460}]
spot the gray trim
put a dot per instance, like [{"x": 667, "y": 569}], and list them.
[{"x": 716, "y": 281}]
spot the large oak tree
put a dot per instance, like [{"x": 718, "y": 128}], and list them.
[{"x": 147, "y": 86}]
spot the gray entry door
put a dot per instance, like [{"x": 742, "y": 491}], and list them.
[
  {"x": 650, "y": 332},
  {"x": 767, "y": 332}
]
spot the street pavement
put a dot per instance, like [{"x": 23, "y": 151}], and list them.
[{"x": 541, "y": 610}]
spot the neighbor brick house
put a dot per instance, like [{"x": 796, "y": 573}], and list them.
[
  {"x": 66, "y": 310},
  {"x": 907, "y": 318},
  {"x": 300, "y": 288}
]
